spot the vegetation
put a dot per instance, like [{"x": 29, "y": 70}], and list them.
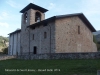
[
  {"x": 3, "y": 45},
  {"x": 98, "y": 47},
  {"x": 5, "y": 50},
  {"x": 94, "y": 39},
  {"x": 96, "y": 42},
  {"x": 4, "y": 38},
  {"x": 61, "y": 67}
]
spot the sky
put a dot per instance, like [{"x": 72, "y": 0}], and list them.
[{"x": 10, "y": 16}]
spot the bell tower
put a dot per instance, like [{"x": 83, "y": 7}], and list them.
[{"x": 31, "y": 14}]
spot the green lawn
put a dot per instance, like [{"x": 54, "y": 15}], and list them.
[{"x": 47, "y": 67}]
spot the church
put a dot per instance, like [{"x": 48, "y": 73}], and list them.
[{"x": 69, "y": 33}]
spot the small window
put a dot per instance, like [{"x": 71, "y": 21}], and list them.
[
  {"x": 25, "y": 18},
  {"x": 78, "y": 29},
  {"x": 45, "y": 35},
  {"x": 33, "y": 36}
]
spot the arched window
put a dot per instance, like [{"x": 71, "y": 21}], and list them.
[
  {"x": 25, "y": 17},
  {"x": 37, "y": 17}
]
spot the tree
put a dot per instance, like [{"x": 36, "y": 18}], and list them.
[{"x": 97, "y": 44}]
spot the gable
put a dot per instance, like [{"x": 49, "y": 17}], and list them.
[{"x": 82, "y": 17}]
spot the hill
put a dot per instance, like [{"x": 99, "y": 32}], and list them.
[
  {"x": 96, "y": 39},
  {"x": 97, "y": 32}
]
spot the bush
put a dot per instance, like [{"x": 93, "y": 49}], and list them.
[
  {"x": 98, "y": 47},
  {"x": 5, "y": 50},
  {"x": 94, "y": 39},
  {"x": 97, "y": 43}
]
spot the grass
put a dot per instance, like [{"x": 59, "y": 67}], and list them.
[{"x": 66, "y": 67}]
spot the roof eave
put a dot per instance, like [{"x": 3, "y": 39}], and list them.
[
  {"x": 33, "y": 6},
  {"x": 89, "y": 25},
  {"x": 42, "y": 22},
  {"x": 15, "y": 32}
]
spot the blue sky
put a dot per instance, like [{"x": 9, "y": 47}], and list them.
[{"x": 10, "y": 18}]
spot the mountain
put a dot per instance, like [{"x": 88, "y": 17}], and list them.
[
  {"x": 96, "y": 33},
  {"x": 97, "y": 37}
]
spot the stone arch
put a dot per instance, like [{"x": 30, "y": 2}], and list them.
[
  {"x": 25, "y": 17},
  {"x": 37, "y": 17}
]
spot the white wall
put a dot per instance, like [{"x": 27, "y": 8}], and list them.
[
  {"x": 14, "y": 44},
  {"x": 10, "y": 45},
  {"x": 18, "y": 44}
]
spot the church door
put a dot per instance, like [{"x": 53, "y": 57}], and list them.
[{"x": 35, "y": 50}]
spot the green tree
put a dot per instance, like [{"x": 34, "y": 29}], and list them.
[
  {"x": 97, "y": 44},
  {"x": 94, "y": 39}
]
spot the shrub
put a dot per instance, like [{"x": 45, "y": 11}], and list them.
[{"x": 5, "y": 50}]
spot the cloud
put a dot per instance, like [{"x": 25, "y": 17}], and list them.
[
  {"x": 4, "y": 24},
  {"x": 13, "y": 4},
  {"x": 51, "y": 6},
  {"x": 91, "y": 7},
  {"x": 4, "y": 15},
  {"x": 1, "y": 18},
  {"x": 30, "y": 1},
  {"x": 10, "y": 15}
]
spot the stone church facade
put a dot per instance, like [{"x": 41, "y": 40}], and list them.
[{"x": 58, "y": 34}]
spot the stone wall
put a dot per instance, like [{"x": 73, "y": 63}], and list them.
[
  {"x": 43, "y": 45},
  {"x": 27, "y": 33},
  {"x": 67, "y": 38},
  {"x": 87, "y": 55},
  {"x": 62, "y": 35},
  {"x": 32, "y": 16}
]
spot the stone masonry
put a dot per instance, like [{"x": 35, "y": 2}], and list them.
[
  {"x": 43, "y": 45},
  {"x": 64, "y": 33},
  {"x": 26, "y": 33},
  {"x": 78, "y": 55},
  {"x": 68, "y": 39}
]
